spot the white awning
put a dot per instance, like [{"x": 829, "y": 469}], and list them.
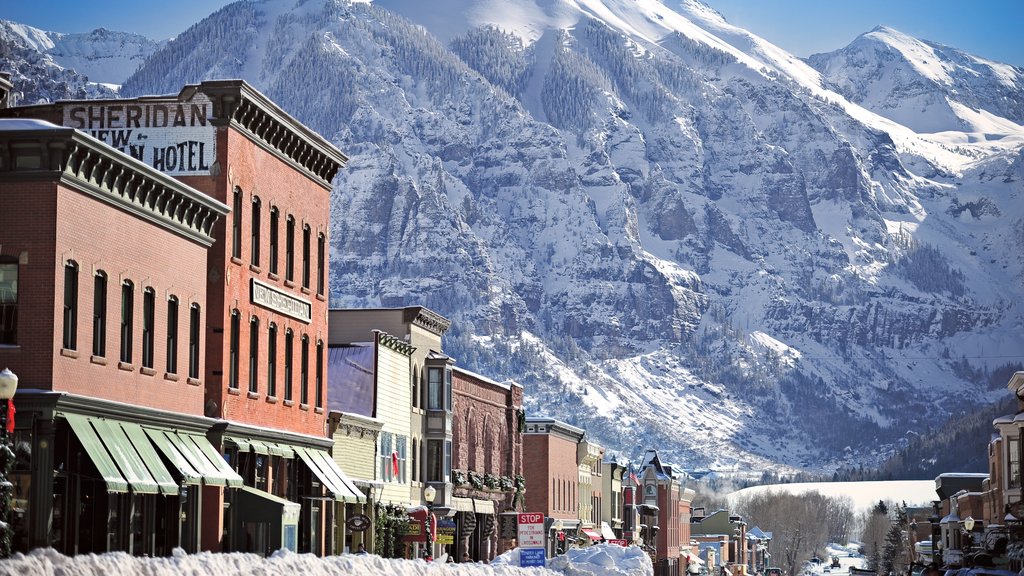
[
  {"x": 463, "y": 504},
  {"x": 483, "y": 506},
  {"x": 607, "y": 532}
]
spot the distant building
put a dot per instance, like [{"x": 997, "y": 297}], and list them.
[{"x": 552, "y": 476}]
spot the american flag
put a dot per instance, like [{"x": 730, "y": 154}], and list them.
[{"x": 632, "y": 475}]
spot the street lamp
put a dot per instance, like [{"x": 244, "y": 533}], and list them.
[
  {"x": 968, "y": 537},
  {"x": 429, "y": 493},
  {"x": 8, "y": 386},
  {"x": 934, "y": 521}
]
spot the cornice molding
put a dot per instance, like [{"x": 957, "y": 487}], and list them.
[
  {"x": 395, "y": 343},
  {"x": 244, "y": 108},
  {"x": 427, "y": 319},
  {"x": 87, "y": 165}
]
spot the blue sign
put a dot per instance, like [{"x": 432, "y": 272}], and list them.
[{"x": 531, "y": 557}]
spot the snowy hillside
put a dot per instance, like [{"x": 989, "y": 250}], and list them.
[
  {"x": 927, "y": 86},
  {"x": 635, "y": 207},
  {"x": 47, "y": 66}
]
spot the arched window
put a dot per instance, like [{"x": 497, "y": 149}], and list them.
[
  {"x": 194, "y": 331},
  {"x": 172, "y": 335},
  {"x": 321, "y": 263},
  {"x": 99, "y": 315},
  {"x": 272, "y": 360},
  {"x": 236, "y": 223},
  {"x": 148, "y": 316},
  {"x": 319, "y": 374},
  {"x": 254, "y": 354},
  {"x": 289, "y": 338},
  {"x": 274, "y": 247},
  {"x": 289, "y": 249},
  {"x": 471, "y": 461},
  {"x": 233, "y": 351},
  {"x": 415, "y": 386},
  {"x": 305, "y": 255},
  {"x": 70, "y": 340},
  {"x": 254, "y": 234},
  {"x": 127, "y": 319},
  {"x": 304, "y": 371}
]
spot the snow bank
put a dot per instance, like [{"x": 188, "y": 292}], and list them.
[{"x": 595, "y": 560}]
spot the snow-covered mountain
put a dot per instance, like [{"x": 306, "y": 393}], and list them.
[
  {"x": 47, "y": 66},
  {"x": 671, "y": 231},
  {"x": 926, "y": 86}
]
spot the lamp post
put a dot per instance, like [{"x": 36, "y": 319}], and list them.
[
  {"x": 8, "y": 386},
  {"x": 968, "y": 539},
  {"x": 429, "y": 493},
  {"x": 934, "y": 521}
]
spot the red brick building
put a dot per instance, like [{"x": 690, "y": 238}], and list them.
[
  {"x": 552, "y": 474},
  {"x": 102, "y": 304},
  {"x": 265, "y": 323},
  {"x": 487, "y": 454}
]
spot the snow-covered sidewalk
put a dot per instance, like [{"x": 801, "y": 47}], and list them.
[{"x": 598, "y": 560}]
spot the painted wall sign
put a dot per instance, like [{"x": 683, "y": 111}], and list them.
[
  {"x": 173, "y": 137},
  {"x": 269, "y": 297}
]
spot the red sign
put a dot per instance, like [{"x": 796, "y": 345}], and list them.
[
  {"x": 531, "y": 531},
  {"x": 619, "y": 542}
]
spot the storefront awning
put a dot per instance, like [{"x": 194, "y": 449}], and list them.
[
  {"x": 607, "y": 532},
  {"x": 463, "y": 504},
  {"x": 260, "y": 505},
  {"x": 194, "y": 456},
  {"x": 97, "y": 453},
  {"x": 149, "y": 455},
  {"x": 591, "y": 533},
  {"x": 323, "y": 467}
]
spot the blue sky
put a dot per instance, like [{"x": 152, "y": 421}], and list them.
[{"x": 990, "y": 28}]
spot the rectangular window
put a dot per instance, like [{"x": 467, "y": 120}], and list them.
[
  {"x": 304, "y": 372},
  {"x": 1013, "y": 462},
  {"x": 321, "y": 263},
  {"x": 305, "y": 256},
  {"x": 289, "y": 250},
  {"x": 448, "y": 388},
  {"x": 99, "y": 315},
  {"x": 172, "y": 335},
  {"x": 415, "y": 461},
  {"x": 193, "y": 342},
  {"x": 127, "y": 307},
  {"x": 254, "y": 353},
  {"x": 435, "y": 392},
  {"x": 70, "y": 306},
  {"x": 8, "y": 300},
  {"x": 273, "y": 240},
  {"x": 236, "y": 224},
  {"x": 272, "y": 360},
  {"x": 288, "y": 345},
  {"x": 384, "y": 456},
  {"x": 400, "y": 448},
  {"x": 319, "y": 374},
  {"x": 435, "y": 460},
  {"x": 233, "y": 352},
  {"x": 148, "y": 304},
  {"x": 254, "y": 232}
]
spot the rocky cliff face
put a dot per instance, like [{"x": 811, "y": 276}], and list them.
[{"x": 671, "y": 232}]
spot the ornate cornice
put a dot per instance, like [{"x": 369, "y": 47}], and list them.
[
  {"x": 427, "y": 319},
  {"x": 395, "y": 343},
  {"x": 36, "y": 150},
  {"x": 241, "y": 106}
]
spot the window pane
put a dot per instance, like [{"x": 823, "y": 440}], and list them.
[
  {"x": 289, "y": 250},
  {"x": 254, "y": 352},
  {"x": 305, "y": 256},
  {"x": 233, "y": 354},
  {"x": 236, "y": 224},
  {"x": 434, "y": 391},
  {"x": 319, "y": 374},
  {"x": 272, "y": 361},
  {"x": 288, "y": 339},
  {"x": 304, "y": 372},
  {"x": 70, "y": 306},
  {"x": 255, "y": 232},
  {"x": 193, "y": 342},
  {"x": 172, "y": 335},
  {"x": 321, "y": 262},
  {"x": 273, "y": 240},
  {"x": 8, "y": 300},
  {"x": 127, "y": 311},
  {"x": 99, "y": 316},
  {"x": 148, "y": 303}
]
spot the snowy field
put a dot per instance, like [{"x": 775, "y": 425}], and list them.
[{"x": 597, "y": 560}]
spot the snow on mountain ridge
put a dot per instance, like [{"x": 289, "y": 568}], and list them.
[{"x": 702, "y": 251}]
